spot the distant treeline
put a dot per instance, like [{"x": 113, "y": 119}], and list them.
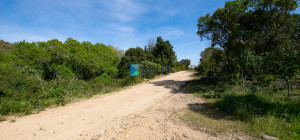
[{"x": 38, "y": 74}]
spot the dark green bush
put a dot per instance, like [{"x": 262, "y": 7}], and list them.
[
  {"x": 39, "y": 74},
  {"x": 258, "y": 105},
  {"x": 17, "y": 89}
]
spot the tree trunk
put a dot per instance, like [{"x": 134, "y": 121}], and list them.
[{"x": 289, "y": 86}]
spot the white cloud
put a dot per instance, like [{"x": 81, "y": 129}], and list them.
[
  {"x": 172, "y": 32},
  {"x": 122, "y": 28},
  {"x": 124, "y": 10}
]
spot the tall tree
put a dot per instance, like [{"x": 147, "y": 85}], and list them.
[
  {"x": 163, "y": 53},
  {"x": 251, "y": 33}
]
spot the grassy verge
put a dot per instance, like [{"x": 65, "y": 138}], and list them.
[
  {"x": 238, "y": 109},
  {"x": 35, "y": 97}
]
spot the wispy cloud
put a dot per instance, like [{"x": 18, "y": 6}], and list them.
[
  {"x": 121, "y": 28},
  {"x": 124, "y": 10}
]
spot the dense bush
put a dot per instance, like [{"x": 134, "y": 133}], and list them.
[
  {"x": 18, "y": 89},
  {"x": 39, "y": 74},
  {"x": 159, "y": 54},
  {"x": 36, "y": 75},
  {"x": 179, "y": 66}
]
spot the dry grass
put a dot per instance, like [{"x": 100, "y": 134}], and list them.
[{"x": 206, "y": 118}]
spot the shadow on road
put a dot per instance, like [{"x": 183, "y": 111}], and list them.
[
  {"x": 208, "y": 109},
  {"x": 175, "y": 86}
]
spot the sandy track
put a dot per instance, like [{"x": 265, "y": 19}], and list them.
[{"x": 144, "y": 111}]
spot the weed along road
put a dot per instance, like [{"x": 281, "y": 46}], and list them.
[{"x": 145, "y": 111}]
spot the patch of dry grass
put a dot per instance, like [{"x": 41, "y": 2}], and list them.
[{"x": 208, "y": 120}]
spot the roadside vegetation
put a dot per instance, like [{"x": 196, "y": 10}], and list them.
[
  {"x": 40, "y": 74},
  {"x": 249, "y": 75}
]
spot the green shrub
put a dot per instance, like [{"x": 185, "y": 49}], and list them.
[
  {"x": 36, "y": 75},
  {"x": 104, "y": 78},
  {"x": 212, "y": 94},
  {"x": 180, "y": 66},
  {"x": 59, "y": 94},
  {"x": 257, "y": 111},
  {"x": 149, "y": 72},
  {"x": 61, "y": 71},
  {"x": 130, "y": 80}
]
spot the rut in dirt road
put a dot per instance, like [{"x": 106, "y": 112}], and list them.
[{"x": 145, "y": 111}]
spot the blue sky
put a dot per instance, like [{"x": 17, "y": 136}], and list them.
[{"x": 121, "y": 23}]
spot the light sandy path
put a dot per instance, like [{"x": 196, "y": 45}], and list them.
[{"x": 144, "y": 111}]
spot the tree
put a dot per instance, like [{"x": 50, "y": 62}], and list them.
[
  {"x": 132, "y": 56},
  {"x": 163, "y": 53},
  {"x": 119, "y": 52},
  {"x": 148, "y": 52},
  {"x": 211, "y": 61},
  {"x": 5, "y": 47},
  {"x": 148, "y": 49},
  {"x": 186, "y": 63},
  {"x": 252, "y": 33},
  {"x": 179, "y": 66}
]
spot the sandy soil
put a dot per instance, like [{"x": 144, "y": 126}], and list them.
[{"x": 145, "y": 111}]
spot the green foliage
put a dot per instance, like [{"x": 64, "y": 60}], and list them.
[
  {"x": 257, "y": 112},
  {"x": 186, "y": 63},
  {"x": 155, "y": 54},
  {"x": 36, "y": 75},
  {"x": 17, "y": 88},
  {"x": 145, "y": 71},
  {"x": 84, "y": 59},
  {"x": 104, "y": 78},
  {"x": 256, "y": 104},
  {"x": 132, "y": 56},
  {"x": 62, "y": 70},
  {"x": 180, "y": 66},
  {"x": 251, "y": 39},
  {"x": 254, "y": 44},
  {"x": 265, "y": 115},
  {"x": 212, "y": 94},
  {"x": 163, "y": 53},
  {"x": 211, "y": 62},
  {"x": 39, "y": 74},
  {"x": 130, "y": 80}
]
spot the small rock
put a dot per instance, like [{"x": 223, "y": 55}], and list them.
[
  {"x": 266, "y": 137},
  {"x": 184, "y": 135},
  {"x": 101, "y": 131}
]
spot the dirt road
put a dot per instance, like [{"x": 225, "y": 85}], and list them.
[{"x": 145, "y": 111}]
